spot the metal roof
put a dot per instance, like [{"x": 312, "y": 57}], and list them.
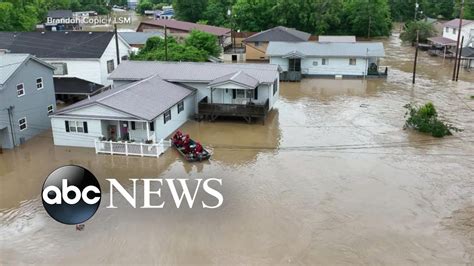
[
  {"x": 237, "y": 77},
  {"x": 279, "y": 33},
  {"x": 140, "y": 38},
  {"x": 442, "y": 41},
  {"x": 191, "y": 71},
  {"x": 467, "y": 52},
  {"x": 328, "y": 38},
  {"x": 10, "y": 63},
  {"x": 145, "y": 99},
  {"x": 359, "y": 49},
  {"x": 187, "y": 26},
  {"x": 455, "y": 23}
]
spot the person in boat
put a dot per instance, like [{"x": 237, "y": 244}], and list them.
[
  {"x": 187, "y": 144},
  {"x": 198, "y": 148},
  {"x": 177, "y": 137}
]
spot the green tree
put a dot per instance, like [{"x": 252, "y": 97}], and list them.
[
  {"x": 314, "y": 16},
  {"x": 7, "y": 14},
  {"x": 144, "y": 5},
  {"x": 425, "y": 30},
  {"x": 216, "y": 12},
  {"x": 190, "y": 10},
  {"x": 254, "y": 15},
  {"x": 203, "y": 41},
  {"x": 369, "y": 18}
]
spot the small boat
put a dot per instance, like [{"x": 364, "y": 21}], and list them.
[{"x": 191, "y": 156}]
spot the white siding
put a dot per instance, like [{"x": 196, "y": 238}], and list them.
[
  {"x": 467, "y": 32},
  {"x": 111, "y": 54},
  {"x": 87, "y": 69},
  {"x": 336, "y": 66},
  {"x": 162, "y": 130},
  {"x": 63, "y": 138}
]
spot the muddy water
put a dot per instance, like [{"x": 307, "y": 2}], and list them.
[{"x": 331, "y": 178}]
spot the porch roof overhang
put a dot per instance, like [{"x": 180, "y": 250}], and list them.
[
  {"x": 96, "y": 117},
  {"x": 240, "y": 79},
  {"x": 294, "y": 54},
  {"x": 443, "y": 41}
]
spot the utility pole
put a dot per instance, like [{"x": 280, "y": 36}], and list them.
[
  {"x": 166, "y": 44},
  {"x": 117, "y": 44},
  {"x": 370, "y": 19},
  {"x": 459, "y": 37},
  {"x": 459, "y": 62},
  {"x": 416, "y": 55},
  {"x": 416, "y": 9}
]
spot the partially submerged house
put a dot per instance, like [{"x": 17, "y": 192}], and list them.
[
  {"x": 179, "y": 28},
  {"x": 330, "y": 59},
  {"x": 467, "y": 55},
  {"x": 150, "y": 100},
  {"x": 256, "y": 45},
  {"x": 26, "y": 98},
  {"x": 445, "y": 45},
  {"x": 87, "y": 58}
]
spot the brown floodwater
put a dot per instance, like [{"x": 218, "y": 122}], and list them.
[{"x": 331, "y": 178}]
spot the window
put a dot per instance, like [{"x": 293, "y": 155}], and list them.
[
  {"x": 352, "y": 61},
  {"x": 325, "y": 62},
  {"x": 39, "y": 83},
  {"x": 257, "y": 44},
  {"x": 76, "y": 126},
  {"x": 275, "y": 86},
  {"x": 249, "y": 94},
  {"x": 447, "y": 29},
  {"x": 22, "y": 123},
  {"x": 50, "y": 109},
  {"x": 294, "y": 64},
  {"x": 315, "y": 63},
  {"x": 180, "y": 107},
  {"x": 60, "y": 68},
  {"x": 20, "y": 90},
  {"x": 240, "y": 94},
  {"x": 454, "y": 31},
  {"x": 167, "y": 116},
  {"x": 110, "y": 66}
]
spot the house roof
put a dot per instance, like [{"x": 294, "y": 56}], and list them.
[
  {"x": 191, "y": 71},
  {"x": 455, "y": 23},
  {"x": 60, "y": 14},
  {"x": 238, "y": 77},
  {"x": 280, "y": 33},
  {"x": 187, "y": 26},
  {"x": 139, "y": 38},
  {"x": 74, "y": 86},
  {"x": 360, "y": 49},
  {"x": 10, "y": 63},
  {"x": 328, "y": 38},
  {"x": 73, "y": 44},
  {"x": 145, "y": 99},
  {"x": 467, "y": 52},
  {"x": 442, "y": 41}
]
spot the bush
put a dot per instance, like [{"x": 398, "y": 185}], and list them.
[{"x": 425, "y": 119}]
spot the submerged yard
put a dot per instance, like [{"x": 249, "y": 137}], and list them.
[{"x": 331, "y": 178}]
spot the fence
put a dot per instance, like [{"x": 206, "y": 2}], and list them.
[{"x": 131, "y": 148}]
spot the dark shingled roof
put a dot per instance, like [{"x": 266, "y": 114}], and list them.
[
  {"x": 75, "y": 86},
  {"x": 279, "y": 34},
  {"x": 73, "y": 44},
  {"x": 468, "y": 52}
]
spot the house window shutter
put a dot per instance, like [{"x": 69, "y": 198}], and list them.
[
  {"x": 255, "y": 93},
  {"x": 85, "y": 127},
  {"x": 133, "y": 125},
  {"x": 234, "y": 94},
  {"x": 152, "y": 126},
  {"x": 67, "y": 125}
]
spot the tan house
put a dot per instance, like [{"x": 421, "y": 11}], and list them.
[{"x": 256, "y": 45}]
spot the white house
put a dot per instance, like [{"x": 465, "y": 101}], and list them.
[
  {"x": 151, "y": 100},
  {"x": 87, "y": 58},
  {"x": 451, "y": 30},
  {"x": 326, "y": 59}
]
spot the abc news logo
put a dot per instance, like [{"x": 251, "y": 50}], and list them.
[{"x": 71, "y": 194}]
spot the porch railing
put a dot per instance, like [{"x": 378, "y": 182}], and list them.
[
  {"x": 253, "y": 110},
  {"x": 132, "y": 148}
]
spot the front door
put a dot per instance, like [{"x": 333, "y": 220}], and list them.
[{"x": 124, "y": 130}]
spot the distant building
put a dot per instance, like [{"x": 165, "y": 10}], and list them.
[
  {"x": 132, "y": 4},
  {"x": 327, "y": 59},
  {"x": 256, "y": 45},
  {"x": 182, "y": 28},
  {"x": 61, "y": 20},
  {"x": 166, "y": 13},
  {"x": 138, "y": 39},
  {"x": 86, "y": 58},
  {"x": 451, "y": 29},
  {"x": 26, "y": 98},
  {"x": 150, "y": 100}
]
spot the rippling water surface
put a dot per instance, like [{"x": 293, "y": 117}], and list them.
[{"x": 331, "y": 178}]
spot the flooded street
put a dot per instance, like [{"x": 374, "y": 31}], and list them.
[{"x": 331, "y": 178}]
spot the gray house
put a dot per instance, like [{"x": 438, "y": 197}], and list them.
[{"x": 26, "y": 98}]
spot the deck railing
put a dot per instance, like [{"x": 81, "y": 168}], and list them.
[
  {"x": 250, "y": 110},
  {"x": 132, "y": 148}
]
